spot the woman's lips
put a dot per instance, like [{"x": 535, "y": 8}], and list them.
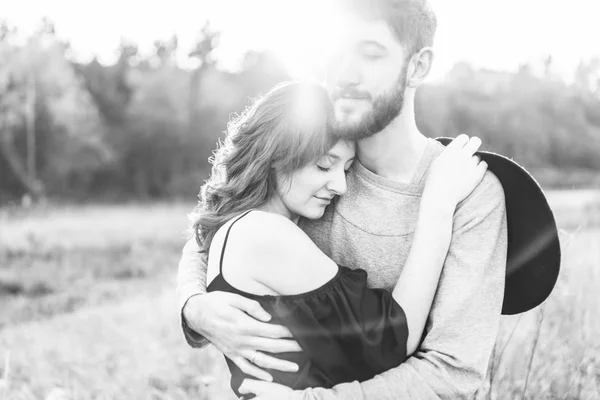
[{"x": 324, "y": 199}]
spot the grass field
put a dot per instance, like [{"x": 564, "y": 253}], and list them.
[{"x": 88, "y": 310}]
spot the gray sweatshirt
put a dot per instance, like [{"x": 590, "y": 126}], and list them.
[{"x": 372, "y": 227}]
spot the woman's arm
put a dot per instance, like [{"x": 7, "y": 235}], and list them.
[
  {"x": 452, "y": 177},
  {"x": 418, "y": 282}
]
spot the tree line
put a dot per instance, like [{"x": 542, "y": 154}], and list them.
[{"x": 144, "y": 126}]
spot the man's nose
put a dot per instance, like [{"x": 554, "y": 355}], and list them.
[{"x": 347, "y": 72}]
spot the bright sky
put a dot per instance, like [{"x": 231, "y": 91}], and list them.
[{"x": 496, "y": 34}]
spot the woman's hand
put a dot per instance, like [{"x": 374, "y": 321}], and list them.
[
  {"x": 456, "y": 172},
  {"x": 266, "y": 390}
]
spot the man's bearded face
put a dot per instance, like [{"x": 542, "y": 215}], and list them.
[{"x": 359, "y": 115}]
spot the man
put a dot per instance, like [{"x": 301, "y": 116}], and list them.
[{"x": 384, "y": 55}]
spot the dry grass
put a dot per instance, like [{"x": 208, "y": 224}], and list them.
[
  {"x": 553, "y": 352},
  {"x": 88, "y": 306},
  {"x": 88, "y": 310}
]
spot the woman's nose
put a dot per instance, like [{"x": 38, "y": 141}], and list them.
[{"x": 338, "y": 184}]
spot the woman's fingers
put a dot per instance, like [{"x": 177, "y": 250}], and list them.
[
  {"x": 482, "y": 167},
  {"x": 472, "y": 145},
  {"x": 251, "y": 369},
  {"x": 458, "y": 141}
]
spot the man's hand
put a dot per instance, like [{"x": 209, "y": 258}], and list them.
[
  {"x": 233, "y": 324},
  {"x": 268, "y": 390}
]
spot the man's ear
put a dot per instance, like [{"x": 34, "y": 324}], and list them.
[{"x": 419, "y": 67}]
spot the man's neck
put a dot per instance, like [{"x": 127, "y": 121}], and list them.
[{"x": 395, "y": 152}]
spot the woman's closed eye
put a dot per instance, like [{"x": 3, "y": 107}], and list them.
[{"x": 324, "y": 168}]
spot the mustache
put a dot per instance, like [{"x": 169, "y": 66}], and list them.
[{"x": 350, "y": 92}]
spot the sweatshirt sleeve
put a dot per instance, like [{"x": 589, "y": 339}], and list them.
[
  {"x": 452, "y": 360},
  {"x": 191, "y": 281}
]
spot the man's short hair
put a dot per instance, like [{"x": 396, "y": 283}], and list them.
[{"x": 413, "y": 21}]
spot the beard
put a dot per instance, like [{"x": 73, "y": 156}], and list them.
[{"x": 385, "y": 108}]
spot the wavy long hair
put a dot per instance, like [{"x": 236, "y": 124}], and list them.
[{"x": 281, "y": 132}]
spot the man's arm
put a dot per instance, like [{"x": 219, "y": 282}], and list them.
[
  {"x": 461, "y": 330},
  {"x": 191, "y": 281},
  {"x": 234, "y": 324}
]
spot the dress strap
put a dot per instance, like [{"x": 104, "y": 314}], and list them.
[{"x": 227, "y": 237}]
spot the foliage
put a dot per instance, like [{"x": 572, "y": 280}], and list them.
[
  {"x": 538, "y": 121},
  {"x": 144, "y": 127},
  {"x": 42, "y": 92}
]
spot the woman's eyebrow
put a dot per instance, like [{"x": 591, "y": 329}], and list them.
[{"x": 337, "y": 157}]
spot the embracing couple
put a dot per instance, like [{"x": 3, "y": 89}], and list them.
[{"x": 338, "y": 252}]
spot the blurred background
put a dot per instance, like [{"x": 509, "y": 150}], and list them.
[{"x": 108, "y": 114}]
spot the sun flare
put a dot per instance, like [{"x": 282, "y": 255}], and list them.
[{"x": 296, "y": 32}]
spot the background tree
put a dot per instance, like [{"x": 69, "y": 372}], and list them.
[{"x": 145, "y": 126}]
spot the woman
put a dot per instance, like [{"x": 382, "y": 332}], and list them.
[{"x": 279, "y": 162}]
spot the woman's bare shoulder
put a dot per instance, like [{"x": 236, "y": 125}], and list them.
[
  {"x": 268, "y": 225},
  {"x": 274, "y": 234},
  {"x": 275, "y": 252}
]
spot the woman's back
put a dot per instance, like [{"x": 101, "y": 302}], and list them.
[
  {"x": 267, "y": 254},
  {"x": 346, "y": 331}
]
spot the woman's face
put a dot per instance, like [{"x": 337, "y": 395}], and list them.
[{"x": 310, "y": 189}]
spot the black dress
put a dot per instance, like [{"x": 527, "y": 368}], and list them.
[{"x": 346, "y": 330}]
